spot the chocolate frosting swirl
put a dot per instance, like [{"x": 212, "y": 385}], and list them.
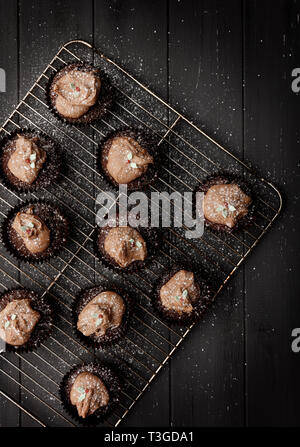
[
  {"x": 181, "y": 292},
  {"x": 127, "y": 160},
  {"x": 125, "y": 245},
  {"x": 225, "y": 204}
]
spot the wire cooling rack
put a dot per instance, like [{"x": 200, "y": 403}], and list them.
[{"x": 30, "y": 381}]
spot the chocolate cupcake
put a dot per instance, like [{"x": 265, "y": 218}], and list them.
[
  {"x": 228, "y": 202},
  {"x": 79, "y": 93},
  {"x": 89, "y": 392},
  {"x": 124, "y": 248},
  {"x": 25, "y": 320},
  {"x": 182, "y": 295},
  {"x": 101, "y": 315},
  {"x": 34, "y": 231},
  {"x": 29, "y": 161},
  {"x": 129, "y": 157}
]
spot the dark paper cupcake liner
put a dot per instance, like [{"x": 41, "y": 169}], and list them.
[
  {"x": 152, "y": 237},
  {"x": 49, "y": 172},
  {"x": 44, "y": 326},
  {"x": 58, "y": 226},
  {"x": 173, "y": 317},
  {"x": 113, "y": 335},
  {"x": 111, "y": 381},
  {"x": 143, "y": 139},
  {"x": 227, "y": 178},
  {"x": 98, "y": 110}
]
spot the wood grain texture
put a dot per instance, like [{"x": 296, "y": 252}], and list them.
[{"x": 272, "y": 142}]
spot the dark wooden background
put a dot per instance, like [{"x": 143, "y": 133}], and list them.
[{"x": 226, "y": 65}]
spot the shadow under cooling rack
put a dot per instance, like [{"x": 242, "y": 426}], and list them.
[{"x": 30, "y": 381}]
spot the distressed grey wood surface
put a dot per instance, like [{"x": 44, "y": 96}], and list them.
[{"x": 226, "y": 65}]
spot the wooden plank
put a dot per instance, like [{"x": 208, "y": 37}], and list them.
[
  {"x": 272, "y": 142},
  {"x": 207, "y": 376},
  {"x": 134, "y": 34},
  {"x": 9, "y": 62}
]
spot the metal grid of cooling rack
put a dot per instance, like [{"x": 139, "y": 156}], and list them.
[{"x": 30, "y": 381}]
